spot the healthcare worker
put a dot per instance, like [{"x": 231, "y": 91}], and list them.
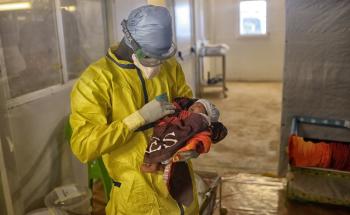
[{"x": 113, "y": 104}]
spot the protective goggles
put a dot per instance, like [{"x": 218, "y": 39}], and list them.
[{"x": 146, "y": 58}]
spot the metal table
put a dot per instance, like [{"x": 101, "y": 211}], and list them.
[{"x": 222, "y": 83}]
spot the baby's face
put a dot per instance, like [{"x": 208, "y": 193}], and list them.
[{"x": 197, "y": 107}]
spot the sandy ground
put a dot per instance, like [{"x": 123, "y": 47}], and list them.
[
  {"x": 252, "y": 114},
  {"x": 254, "y": 194}
]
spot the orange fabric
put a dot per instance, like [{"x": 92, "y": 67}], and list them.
[
  {"x": 201, "y": 143},
  {"x": 308, "y": 154},
  {"x": 332, "y": 155}
]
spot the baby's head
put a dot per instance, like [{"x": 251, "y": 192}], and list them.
[{"x": 203, "y": 106}]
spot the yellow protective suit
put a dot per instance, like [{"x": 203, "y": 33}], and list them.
[{"x": 107, "y": 92}]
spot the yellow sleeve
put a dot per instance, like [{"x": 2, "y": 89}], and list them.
[
  {"x": 183, "y": 90},
  {"x": 92, "y": 133}
]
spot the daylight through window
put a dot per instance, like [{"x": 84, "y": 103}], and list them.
[{"x": 252, "y": 18}]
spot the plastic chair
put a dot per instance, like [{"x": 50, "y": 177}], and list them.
[{"x": 96, "y": 168}]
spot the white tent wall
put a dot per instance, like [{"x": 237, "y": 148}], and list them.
[
  {"x": 249, "y": 59},
  {"x": 202, "y": 19},
  {"x": 9, "y": 180},
  {"x": 43, "y": 157},
  {"x": 184, "y": 31}
]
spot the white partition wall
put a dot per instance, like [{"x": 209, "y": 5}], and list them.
[
  {"x": 11, "y": 205},
  {"x": 44, "y": 47},
  {"x": 184, "y": 37}
]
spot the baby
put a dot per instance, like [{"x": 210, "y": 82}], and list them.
[
  {"x": 179, "y": 137},
  {"x": 183, "y": 135}
]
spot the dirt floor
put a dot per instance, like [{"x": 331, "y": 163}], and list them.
[
  {"x": 253, "y": 194},
  {"x": 252, "y": 114}
]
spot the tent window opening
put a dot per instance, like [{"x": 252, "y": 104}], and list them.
[{"x": 252, "y": 18}]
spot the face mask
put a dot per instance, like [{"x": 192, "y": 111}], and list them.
[{"x": 148, "y": 72}]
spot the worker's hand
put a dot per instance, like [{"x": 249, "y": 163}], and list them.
[
  {"x": 154, "y": 110},
  {"x": 150, "y": 112}
]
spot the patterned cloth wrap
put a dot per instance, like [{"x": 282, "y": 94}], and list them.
[{"x": 176, "y": 139}]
